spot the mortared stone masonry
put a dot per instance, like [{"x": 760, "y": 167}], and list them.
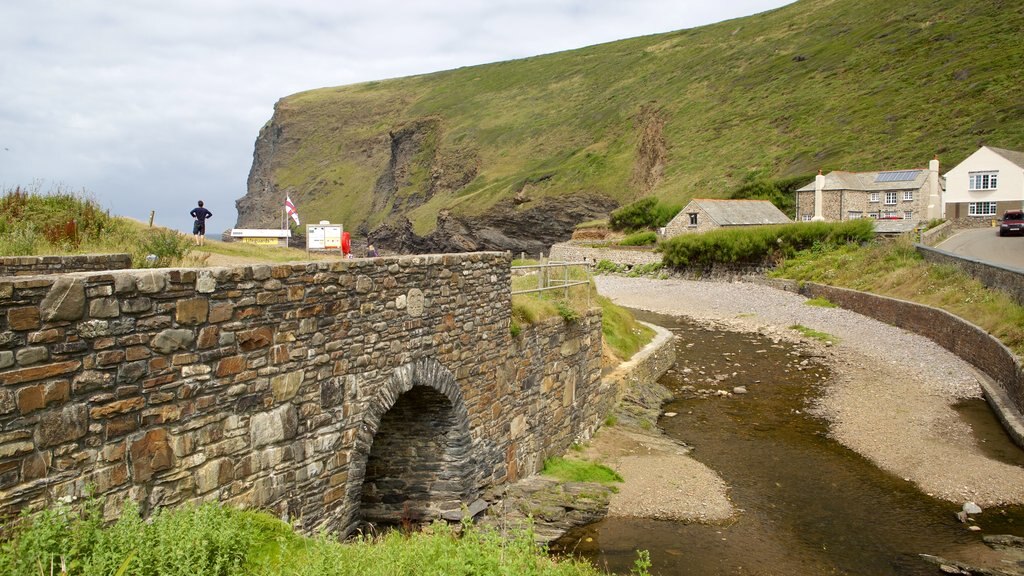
[{"x": 327, "y": 392}]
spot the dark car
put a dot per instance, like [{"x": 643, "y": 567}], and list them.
[{"x": 1012, "y": 222}]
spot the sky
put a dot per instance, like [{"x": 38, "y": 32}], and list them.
[{"x": 151, "y": 105}]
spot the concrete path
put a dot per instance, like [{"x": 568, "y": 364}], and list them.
[{"x": 985, "y": 244}]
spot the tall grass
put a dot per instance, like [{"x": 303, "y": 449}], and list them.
[
  {"x": 894, "y": 268},
  {"x": 214, "y": 540},
  {"x": 59, "y": 221}
]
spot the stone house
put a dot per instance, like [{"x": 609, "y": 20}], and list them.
[
  {"x": 912, "y": 194},
  {"x": 703, "y": 215},
  {"x": 987, "y": 183}
]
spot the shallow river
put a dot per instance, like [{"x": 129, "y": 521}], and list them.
[{"x": 807, "y": 504}]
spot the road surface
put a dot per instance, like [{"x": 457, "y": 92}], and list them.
[{"x": 986, "y": 244}]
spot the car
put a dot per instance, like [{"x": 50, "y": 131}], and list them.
[{"x": 1012, "y": 222}]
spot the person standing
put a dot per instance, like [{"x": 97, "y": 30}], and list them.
[{"x": 199, "y": 225}]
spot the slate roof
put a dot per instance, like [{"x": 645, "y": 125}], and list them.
[
  {"x": 885, "y": 226},
  {"x": 741, "y": 212},
  {"x": 1011, "y": 155},
  {"x": 910, "y": 179}
]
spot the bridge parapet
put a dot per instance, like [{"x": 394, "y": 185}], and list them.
[{"x": 271, "y": 385}]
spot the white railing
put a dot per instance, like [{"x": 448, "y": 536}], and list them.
[{"x": 555, "y": 276}]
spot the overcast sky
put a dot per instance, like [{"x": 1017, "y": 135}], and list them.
[{"x": 154, "y": 104}]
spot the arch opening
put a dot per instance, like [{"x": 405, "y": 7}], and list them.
[{"x": 419, "y": 464}]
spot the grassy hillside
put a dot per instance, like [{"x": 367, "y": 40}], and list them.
[{"x": 831, "y": 84}]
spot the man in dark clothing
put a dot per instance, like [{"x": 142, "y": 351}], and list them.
[{"x": 199, "y": 226}]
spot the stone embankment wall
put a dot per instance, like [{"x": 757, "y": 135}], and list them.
[
  {"x": 33, "y": 265},
  {"x": 951, "y": 332},
  {"x": 938, "y": 234},
  {"x": 573, "y": 252},
  {"x": 1008, "y": 280},
  {"x": 269, "y": 386}
]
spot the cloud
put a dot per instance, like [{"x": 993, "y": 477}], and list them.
[{"x": 151, "y": 105}]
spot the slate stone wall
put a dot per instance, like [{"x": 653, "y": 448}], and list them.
[
  {"x": 266, "y": 386},
  {"x": 34, "y": 265},
  {"x": 1007, "y": 280}
]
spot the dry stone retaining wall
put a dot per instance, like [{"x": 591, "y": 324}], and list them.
[
  {"x": 33, "y": 265},
  {"x": 572, "y": 252},
  {"x": 270, "y": 385}
]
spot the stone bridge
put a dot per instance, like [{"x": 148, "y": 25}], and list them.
[{"x": 329, "y": 392}]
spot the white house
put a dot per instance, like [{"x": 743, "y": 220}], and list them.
[{"x": 986, "y": 184}]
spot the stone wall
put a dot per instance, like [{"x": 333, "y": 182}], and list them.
[
  {"x": 1007, "y": 280},
  {"x": 288, "y": 387},
  {"x": 951, "y": 332},
  {"x": 938, "y": 234},
  {"x": 573, "y": 252},
  {"x": 32, "y": 265}
]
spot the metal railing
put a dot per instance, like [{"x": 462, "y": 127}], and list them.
[{"x": 555, "y": 276}]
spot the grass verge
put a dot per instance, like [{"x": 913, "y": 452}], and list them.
[{"x": 894, "y": 268}]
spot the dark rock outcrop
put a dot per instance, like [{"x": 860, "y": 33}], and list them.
[{"x": 532, "y": 227}]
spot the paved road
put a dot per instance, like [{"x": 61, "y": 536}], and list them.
[{"x": 985, "y": 244}]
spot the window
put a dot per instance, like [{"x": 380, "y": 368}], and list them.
[
  {"x": 873, "y": 197},
  {"x": 856, "y": 214},
  {"x": 908, "y": 215},
  {"x": 908, "y": 195},
  {"x": 890, "y": 198},
  {"x": 807, "y": 217},
  {"x": 982, "y": 180},
  {"x": 693, "y": 218},
  {"x": 981, "y": 209}
]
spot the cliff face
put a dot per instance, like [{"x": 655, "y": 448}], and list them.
[
  {"x": 261, "y": 206},
  {"x": 512, "y": 155}
]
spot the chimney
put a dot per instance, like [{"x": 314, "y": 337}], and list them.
[
  {"x": 934, "y": 209},
  {"x": 819, "y": 187}
]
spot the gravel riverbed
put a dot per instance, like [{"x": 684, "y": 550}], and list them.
[{"x": 890, "y": 398}]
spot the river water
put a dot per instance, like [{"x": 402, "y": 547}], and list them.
[{"x": 807, "y": 505}]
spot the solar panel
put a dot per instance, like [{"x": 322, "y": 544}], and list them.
[{"x": 898, "y": 176}]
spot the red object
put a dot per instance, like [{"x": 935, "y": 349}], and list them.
[{"x": 346, "y": 243}]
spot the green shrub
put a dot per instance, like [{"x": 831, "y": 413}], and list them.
[
  {"x": 168, "y": 246},
  {"x": 607, "y": 266},
  {"x": 761, "y": 244},
  {"x": 567, "y": 313},
  {"x": 640, "y": 239},
  {"x": 645, "y": 213}
]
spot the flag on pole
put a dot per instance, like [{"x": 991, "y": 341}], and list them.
[{"x": 291, "y": 210}]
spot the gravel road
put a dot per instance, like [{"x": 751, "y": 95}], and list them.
[{"x": 891, "y": 395}]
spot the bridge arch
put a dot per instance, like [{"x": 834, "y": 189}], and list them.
[{"x": 413, "y": 458}]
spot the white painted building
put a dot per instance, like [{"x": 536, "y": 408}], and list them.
[{"x": 986, "y": 184}]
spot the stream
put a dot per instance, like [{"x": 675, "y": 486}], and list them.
[{"x": 807, "y": 505}]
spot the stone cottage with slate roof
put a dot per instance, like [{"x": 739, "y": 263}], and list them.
[
  {"x": 703, "y": 215},
  {"x": 986, "y": 184},
  {"x": 914, "y": 194}
]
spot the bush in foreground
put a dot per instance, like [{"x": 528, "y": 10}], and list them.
[{"x": 215, "y": 540}]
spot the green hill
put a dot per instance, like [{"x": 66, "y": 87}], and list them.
[{"x": 511, "y": 155}]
